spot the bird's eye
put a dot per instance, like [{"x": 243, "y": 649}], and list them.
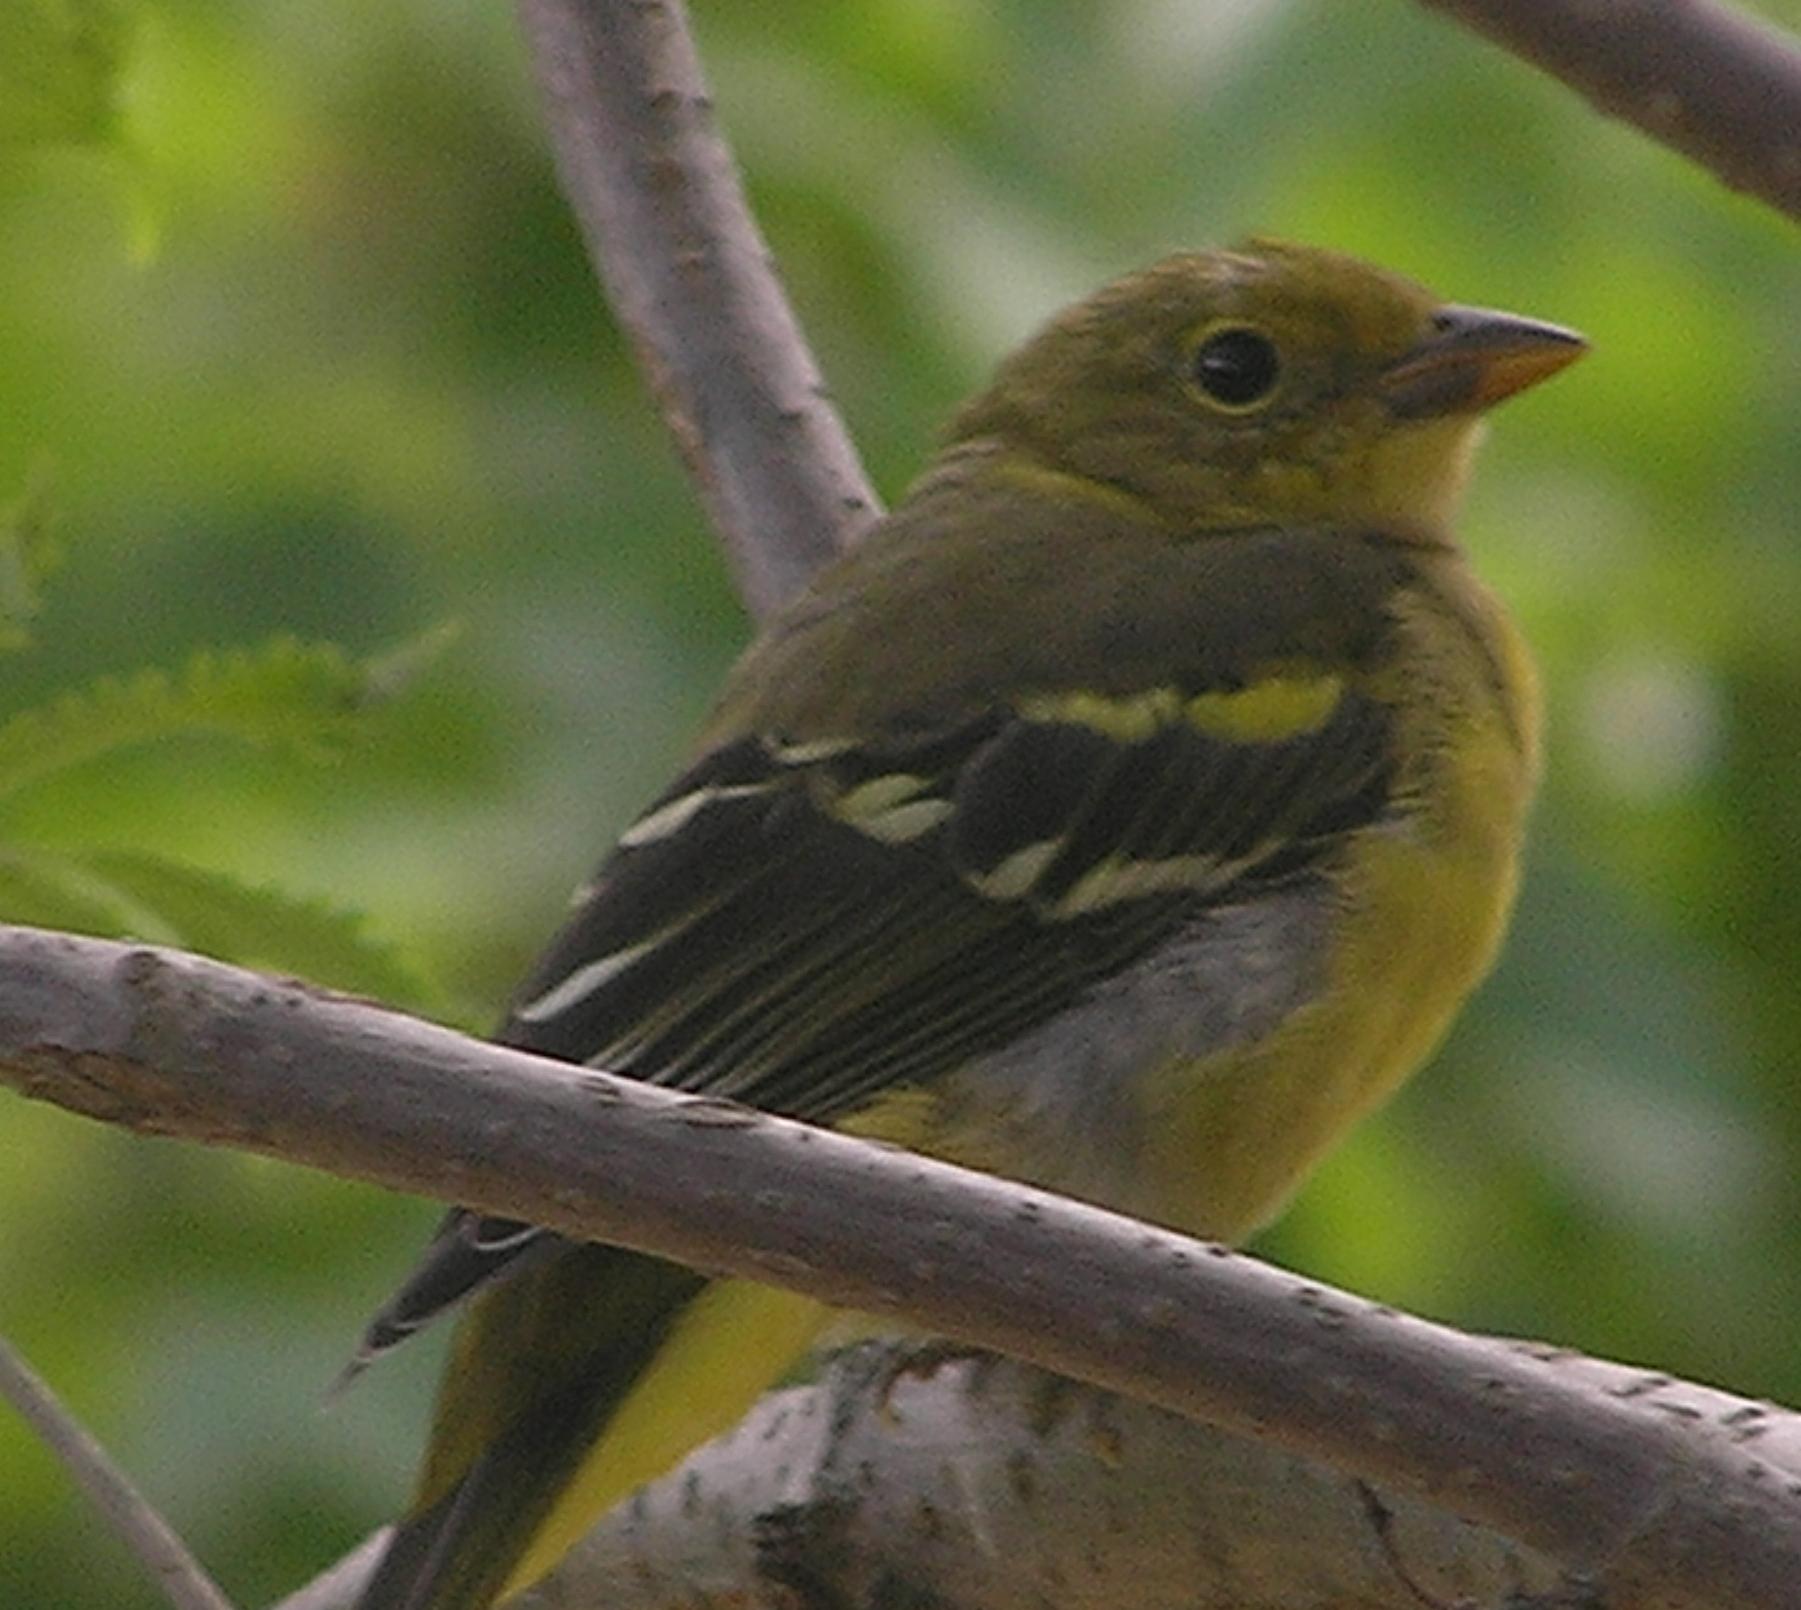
[{"x": 1236, "y": 367}]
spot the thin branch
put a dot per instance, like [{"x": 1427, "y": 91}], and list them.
[
  {"x": 685, "y": 267},
  {"x": 130, "y": 1516},
  {"x": 1718, "y": 86},
  {"x": 170, "y": 1044}
]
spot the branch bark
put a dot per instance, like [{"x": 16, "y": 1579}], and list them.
[
  {"x": 170, "y": 1044},
  {"x": 1703, "y": 79},
  {"x": 668, "y": 229},
  {"x": 899, "y": 1478}
]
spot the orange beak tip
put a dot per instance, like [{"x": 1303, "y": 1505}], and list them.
[{"x": 1473, "y": 358}]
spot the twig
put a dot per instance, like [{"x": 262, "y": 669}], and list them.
[
  {"x": 124, "y": 1509},
  {"x": 170, "y": 1044},
  {"x": 669, "y": 232},
  {"x": 1707, "y": 81}
]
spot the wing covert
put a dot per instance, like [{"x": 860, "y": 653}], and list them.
[{"x": 799, "y": 925}]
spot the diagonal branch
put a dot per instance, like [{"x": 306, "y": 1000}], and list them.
[
  {"x": 687, "y": 272},
  {"x": 1720, "y": 87},
  {"x": 125, "y": 1510},
  {"x": 170, "y": 1044}
]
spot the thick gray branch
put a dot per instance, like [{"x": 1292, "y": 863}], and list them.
[
  {"x": 1707, "y": 81},
  {"x": 663, "y": 212},
  {"x": 170, "y": 1044},
  {"x": 982, "y": 1484}
]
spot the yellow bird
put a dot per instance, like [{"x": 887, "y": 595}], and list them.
[{"x": 1129, "y": 813}]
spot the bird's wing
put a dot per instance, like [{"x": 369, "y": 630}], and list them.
[
  {"x": 806, "y": 926},
  {"x": 810, "y": 927}
]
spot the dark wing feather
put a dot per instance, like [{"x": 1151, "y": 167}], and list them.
[
  {"x": 589, "y": 1322},
  {"x": 802, "y": 927}
]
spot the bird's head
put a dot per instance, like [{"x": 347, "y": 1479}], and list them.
[{"x": 1271, "y": 383}]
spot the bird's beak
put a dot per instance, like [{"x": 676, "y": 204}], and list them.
[{"x": 1472, "y": 359}]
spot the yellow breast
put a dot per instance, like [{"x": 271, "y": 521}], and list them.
[{"x": 1421, "y": 909}]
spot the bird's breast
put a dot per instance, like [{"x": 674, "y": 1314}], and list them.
[
  {"x": 1197, "y": 1086},
  {"x": 1418, "y": 907}
]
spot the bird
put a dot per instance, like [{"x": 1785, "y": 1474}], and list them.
[{"x": 1127, "y": 814}]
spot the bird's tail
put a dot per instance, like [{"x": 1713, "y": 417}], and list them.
[{"x": 568, "y": 1386}]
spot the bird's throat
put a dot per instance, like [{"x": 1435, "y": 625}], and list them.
[{"x": 1415, "y": 478}]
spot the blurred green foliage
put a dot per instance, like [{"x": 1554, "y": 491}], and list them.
[
  {"x": 363, "y": 383},
  {"x": 61, "y": 66},
  {"x": 303, "y": 698}
]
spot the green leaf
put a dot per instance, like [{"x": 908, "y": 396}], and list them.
[
  {"x": 308, "y": 697},
  {"x": 259, "y": 926},
  {"x": 60, "y": 66},
  {"x": 28, "y": 553}
]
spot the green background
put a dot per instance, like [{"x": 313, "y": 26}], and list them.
[{"x": 307, "y": 343}]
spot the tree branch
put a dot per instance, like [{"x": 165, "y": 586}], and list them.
[
  {"x": 980, "y": 1484},
  {"x": 171, "y": 1044},
  {"x": 689, "y": 277},
  {"x": 1705, "y": 80},
  {"x": 130, "y": 1516}
]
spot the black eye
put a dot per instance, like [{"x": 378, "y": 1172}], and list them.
[{"x": 1236, "y": 367}]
